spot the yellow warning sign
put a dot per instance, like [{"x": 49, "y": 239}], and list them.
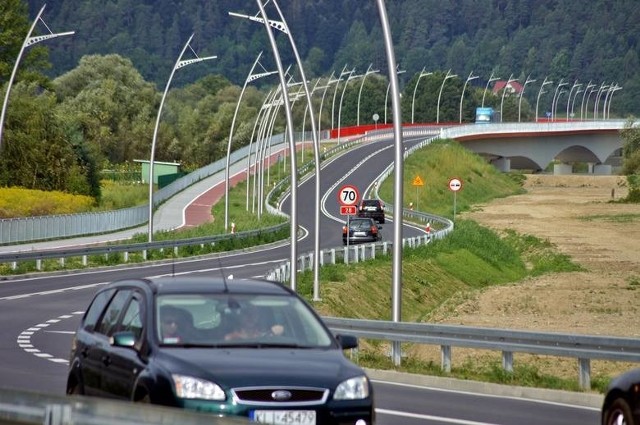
[{"x": 417, "y": 181}]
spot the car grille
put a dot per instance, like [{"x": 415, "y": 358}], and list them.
[{"x": 281, "y": 396}]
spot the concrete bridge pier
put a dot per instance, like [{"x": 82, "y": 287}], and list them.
[{"x": 502, "y": 164}]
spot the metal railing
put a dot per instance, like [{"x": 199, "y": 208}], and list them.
[
  {"x": 27, "y": 408},
  {"x": 582, "y": 347}
]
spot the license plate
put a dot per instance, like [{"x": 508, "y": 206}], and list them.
[
  {"x": 284, "y": 417},
  {"x": 360, "y": 234}
]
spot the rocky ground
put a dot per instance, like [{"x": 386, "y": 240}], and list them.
[{"x": 577, "y": 215}]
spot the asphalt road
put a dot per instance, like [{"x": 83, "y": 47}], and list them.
[{"x": 40, "y": 313}]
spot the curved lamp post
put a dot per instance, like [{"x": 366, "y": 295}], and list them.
[
  {"x": 386, "y": 96},
  {"x": 554, "y": 100},
  {"x": 573, "y": 102},
  {"x": 397, "y": 180},
  {"x": 415, "y": 89},
  {"x": 615, "y": 89},
  {"x": 544, "y": 83},
  {"x": 364, "y": 77},
  {"x": 28, "y": 41},
  {"x": 469, "y": 78},
  {"x": 335, "y": 94},
  {"x": 586, "y": 89},
  {"x": 344, "y": 89},
  {"x": 594, "y": 89},
  {"x": 449, "y": 75},
  {"x": 179, "y": 64},
  {"x": 504, "y": 92},
  {"x": 576, "y": 86},
  {"x": 324, "y": 93},
  {"x": 491, "y": 79},
  {"x": 603, "y": 86},
  {"x": 251, "y": 77},
  {"x": 555, "y": 107},
  {"x": 527, "y": 81}
]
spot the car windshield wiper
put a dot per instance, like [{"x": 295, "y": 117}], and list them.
[{"x": 255, "y": 344}]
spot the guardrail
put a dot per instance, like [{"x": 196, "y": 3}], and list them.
[
  {"x": 582, "y": 347},
  {"x": 27, "y": 408}
]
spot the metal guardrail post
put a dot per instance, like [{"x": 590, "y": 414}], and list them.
[
  {"x": 584, "y": 373},
  {"x": 445, "y": 355},
  {"x": 507, "y": 361}
]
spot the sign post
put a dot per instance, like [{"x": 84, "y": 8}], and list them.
[
  {"x": 455, "y": 185},
  {"x": 418, "y": 183},
  {"x": 348, "y": 197}
]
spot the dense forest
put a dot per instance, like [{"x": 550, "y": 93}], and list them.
[{"x": 86, "y": 102}]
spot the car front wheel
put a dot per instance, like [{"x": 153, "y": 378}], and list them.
[{"x": 619, "y": 413}]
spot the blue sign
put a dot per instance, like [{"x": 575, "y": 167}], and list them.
[{"x": 484, "y": 115}]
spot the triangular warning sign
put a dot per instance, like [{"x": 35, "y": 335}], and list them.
[{"x": 417, "y": 181}]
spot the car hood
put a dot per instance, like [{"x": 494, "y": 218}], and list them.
[{"x": 239, "y": 367}]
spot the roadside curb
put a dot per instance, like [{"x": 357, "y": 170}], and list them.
[{"x": 583, "y": 399}]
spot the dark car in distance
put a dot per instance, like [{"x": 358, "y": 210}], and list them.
[
  {"x": 373, "y": 208},
  {"x": 250, "y": 348},
  {"x": 360, "y": 229},
  {"x": 621, "y": 404}
]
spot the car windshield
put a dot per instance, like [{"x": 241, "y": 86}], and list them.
[
  {"x": 372, "y": 203},
  {"x": 223, "y": 320},
  {"x": 360, "y": 224}
]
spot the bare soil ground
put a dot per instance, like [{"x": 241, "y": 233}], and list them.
[{"x": 575, "y": 214}]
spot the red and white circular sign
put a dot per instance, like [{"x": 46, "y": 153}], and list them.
[
  {"x": 348, "y": 195},
  {"x": 455, "y": 184}
]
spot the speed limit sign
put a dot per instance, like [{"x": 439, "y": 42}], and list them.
[{"x": 348, "y": 195}]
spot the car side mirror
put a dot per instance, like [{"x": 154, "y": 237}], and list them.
[
  {"x": 123, "y": 339},
  {"x": 347, "y": 341}
]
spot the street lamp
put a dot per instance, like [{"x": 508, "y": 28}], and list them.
[
  {"x": 504, "y": 92},
  {"x": 491, "y": 79},
  {"x": 329, "y": 82},
  {"x": 364, "y": 77},
  {"x": 344, "y": 89},
  {"x": 28, "y": 41},
  {"x": 335, "y": 93},
  {"x": 573, "y": 103},
  {"x": 527, "y": 81},
  {"x": 603, "y": 86},
  {"x": 413, "y": 99},
  {"x": 555, "y": 107},
  {"x": 553, "y": 101},
  {"x": 544, "y": 83},
  {"x": 469, "y": 78},
  {"x": 587, "y": 89},
  {"x": 575, "y": 85},
  {"x": 615, "y": 89},
  {"x": 449, "y": 75},
  {"x": 179, "y": 64},
  {"x": 250, "y": 77},
  {"x": 283, "y": 27},
  {"x": 386, "y": 96}
]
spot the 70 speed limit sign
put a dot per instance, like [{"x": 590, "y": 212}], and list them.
[{"x": 348, "y": 195}]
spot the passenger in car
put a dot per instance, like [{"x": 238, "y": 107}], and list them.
[
  {"x": 251, "y": 325},
  {"x": 173, "y": 323}
]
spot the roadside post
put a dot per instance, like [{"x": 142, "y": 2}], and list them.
[
  {"x": 455, "y": 185},
  {"x": 348, "y": 197},
  {"x": 417, "y": 183}
]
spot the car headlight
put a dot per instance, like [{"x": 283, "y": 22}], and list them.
[
  {"x": 353, "y": 389},
  {"x": 190, "y": 387}
]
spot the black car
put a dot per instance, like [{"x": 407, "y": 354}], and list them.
[
  {"x": 250, "y": 348},
  {"x": 373, "y": 208},
  {"x": 622, "y": 401},
  {"x": 359, "y": 230}
]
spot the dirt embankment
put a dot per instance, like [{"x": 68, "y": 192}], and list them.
[{"x": 575, "y": 214}]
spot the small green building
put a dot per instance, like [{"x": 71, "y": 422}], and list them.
[{"x": 160, "y": 169}]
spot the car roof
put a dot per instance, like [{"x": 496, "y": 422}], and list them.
[{"x": 207, "y": 284}]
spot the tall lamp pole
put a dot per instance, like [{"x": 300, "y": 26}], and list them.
[
  {"x": 576, "y": 86},
  {"x": 250, "y": 77},
  {"x": 386, "y": 96},
  {"x": 553, "y": 101},
  {"x": 335, "y": 94},
  {"x": 615, "y": 89},
  {"x": 324, "y": 93},
  {"x": 415, "y": 89},
  {"x": 586, "y": 89},
  {"x": 344, "y": 89},
  {"x": 449, "y": 75},
  {"x": 28, "y": 41},
  {"x": 544, "y": 83},
  {"x": 469, "y": 78},
  {"x": 491, "y": 79},
  {"x": 397, "y": 180},
  {"x": 504, "y": 92},
  {"x": 179, "y": 64},
  {"x": 364, "y": 77},
  {"x": 527, "y": 81}
]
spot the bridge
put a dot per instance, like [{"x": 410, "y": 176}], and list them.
[{"x": 534, "y": 146}]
